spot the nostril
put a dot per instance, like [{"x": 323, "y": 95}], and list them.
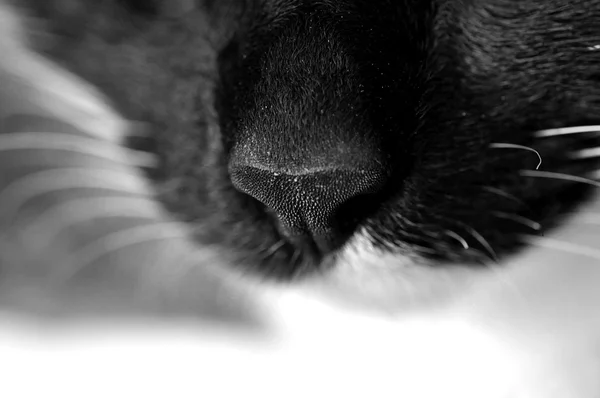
[{"x": 320, "y": 205}]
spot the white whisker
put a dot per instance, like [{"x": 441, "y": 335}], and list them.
[
  {"x": 559, "y": 176},
  {"x": 586, "y": 153},
  {"x": 484, "y": 243},
  {"x": 65, "y": 96},
  {"x": 58, "y": 218},
  {"x": 500, "y": 145},
  {"x": 586, "y": 217},
  {"x": 519, "y": 219},
  {"x": 17, "y": 193},
  {"x": 169, "y": 186},
  {"x": 295, "y": 257},
  {"x": 457, "y": 237},
  {"x": 500, "y": 192},
  {"x": 115, "y": 241},
  {"x": 568, "y": 247},
  {"x": 76, "y": 143},
  {"x": 567, "y": 130},
  {"x": 274, "y": 248},
  {"x": 589, "y": 221}
]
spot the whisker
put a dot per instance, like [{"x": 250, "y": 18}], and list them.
[
  {"x": 586, "y": 217},
  {"x": 278, "y": 245},
  {"x": 457, "y": 237},
  {"x": 519, "y": 219},
  {"x": 586, "y": 153},
  {"x": 295, "y": 257},
  {"x": 121, "y": 239},
  {"x": 17, "y": 193},
  {"x": 58, "y": 218},
  {"x": 483, "y": 242},
  {"x": 559, "y": 176},
  {"x": 422, "y": 249},
  {"x": 68, "y": 96},
  {"x": 566, "y": 131},
  {"x": 505, "y": 194},
  {"x": 549, "y": 243},
  {"x": 75, "y": 143},
  {"x": 501, "y": 145},
  {"x": 169, "y": 186}
]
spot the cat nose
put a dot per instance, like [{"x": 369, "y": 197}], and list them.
[{"x": 318, "y": 205}]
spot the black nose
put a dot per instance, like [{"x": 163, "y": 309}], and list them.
[{"x": 314, "y": 205}]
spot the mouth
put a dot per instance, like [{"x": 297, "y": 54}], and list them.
[
  {"x": 313, "y": 246},
  {"x": 303, "y": 249}
]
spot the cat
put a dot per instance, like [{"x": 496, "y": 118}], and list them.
[{"x": 389, "y": 170}]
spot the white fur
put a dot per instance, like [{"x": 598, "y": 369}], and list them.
[{"x": 536, "y": 337}]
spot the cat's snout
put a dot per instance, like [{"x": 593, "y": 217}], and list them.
[{"x": 321, "y": 206}]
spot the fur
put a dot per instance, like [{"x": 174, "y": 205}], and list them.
[{"x": 93, "y": 225}]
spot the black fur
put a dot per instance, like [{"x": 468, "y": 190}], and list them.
[{"x": 416, "y": 90}]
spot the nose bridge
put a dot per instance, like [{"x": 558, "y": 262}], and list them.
[
  {"x": 303, "y": 105},
  {"x": 307, "y": 153}
]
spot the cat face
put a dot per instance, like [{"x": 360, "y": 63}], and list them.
[
  {"x": 431, "y": 131},
  {"x": 407, "y": 162},
  {"x": 305, "y": 138}
]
